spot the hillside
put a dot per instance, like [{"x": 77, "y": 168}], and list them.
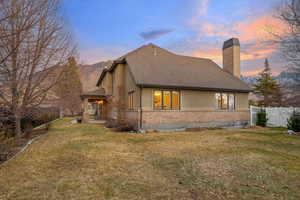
[
  {"x": 89, "y": 74},
  {"x": 286, "y": 79}
]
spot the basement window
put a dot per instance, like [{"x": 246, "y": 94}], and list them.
[
  {"x": 225, "y": 101},
  {"x": 166, "y": 100}
]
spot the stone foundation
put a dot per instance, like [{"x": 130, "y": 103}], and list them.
[{"x": 180, "y": 120}]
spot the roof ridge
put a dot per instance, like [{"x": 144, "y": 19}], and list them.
[
  {"x": 194, "y": 57},
  {"x": 143, "y": 46},
  {"x": 131, "y": 52}
]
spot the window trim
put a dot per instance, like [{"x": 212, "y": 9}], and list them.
[
  {"x": 234, "y": 101},
  {"x": 162, "y": 99},
  {"x": 228, "y": 105}
]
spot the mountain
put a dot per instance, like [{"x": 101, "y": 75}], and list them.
[
  {"x": 250, "y": 80},
  {"x": 286, "y": 79},
  {"x": 89, "y": 74}
]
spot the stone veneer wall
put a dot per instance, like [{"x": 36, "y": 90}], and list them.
[
  {"x": 133, "y": 117},
  {"x": 193, "y": 119}
]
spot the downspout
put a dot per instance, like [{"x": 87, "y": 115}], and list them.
[{"x": 141, "y": 110}]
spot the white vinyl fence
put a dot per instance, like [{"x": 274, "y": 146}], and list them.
[{"x": 277, "y": 116}]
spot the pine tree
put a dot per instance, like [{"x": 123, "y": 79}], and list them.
[
  {"x": 268, "y": 88},
  {"x": 69, "y": 88}
]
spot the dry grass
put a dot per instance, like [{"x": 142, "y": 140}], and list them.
[{"x": 85, "y": 161}]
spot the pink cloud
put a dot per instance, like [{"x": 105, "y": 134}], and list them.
[
  {"x": 253, "y": 34},
  {"x": 248, "y": 52},
  {"x": 212, "y": 30},
  {"x": 259, "y": 29}
]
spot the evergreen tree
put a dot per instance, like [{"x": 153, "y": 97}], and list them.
[
  {"x": 69, "y": 88},
  {"x": 268, "y": 88}
]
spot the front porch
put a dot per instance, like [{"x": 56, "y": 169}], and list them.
[{"x": 94, "y": 106}]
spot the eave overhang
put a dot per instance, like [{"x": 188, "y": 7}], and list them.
[
  {"x": 192, "y": 88},
  {"x": 113, "y": 66}
]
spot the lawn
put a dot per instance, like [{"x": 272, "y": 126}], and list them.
[{"x": 86, "y": 161}]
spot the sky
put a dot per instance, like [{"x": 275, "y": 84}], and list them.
[{"x": 107, "y": 29}]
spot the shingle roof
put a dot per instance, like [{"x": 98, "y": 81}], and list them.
[{"x": 152, "y": 66}]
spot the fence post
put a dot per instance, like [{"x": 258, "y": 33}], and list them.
[{"x": 251, "y": 119}]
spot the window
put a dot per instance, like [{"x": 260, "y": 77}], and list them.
[
  {"x": 130, "y": 100},
  {"x": 175, "y": 100},
  {"x": 225, "y": 101},
  {"x": 231, "y": 102},
  {"x": 219, "y": 100},
  {"x": 157, "y": 99},
  {"x": 166, "y": 100}
]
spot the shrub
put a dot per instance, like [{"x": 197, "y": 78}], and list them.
[
  {"x": 126, "y": 127},
  {"x": 261, "y": 118},
  {"x": 111, "y": 123},
  {"x": 293, "y": 123},
  {"x": 121, "y": 125}
]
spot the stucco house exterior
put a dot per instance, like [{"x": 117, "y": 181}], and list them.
[{"x": 161, "y": 90}]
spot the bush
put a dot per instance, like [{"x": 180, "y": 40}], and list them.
[
  {"x": 261, "y": 118},
  {"x": 34, "y": 118},
  {"x": 121, "y": 125},
  {"x": 110, "y": 123},
  {"x": 293, "y": 123},
  {"x": 126, "y": 127}
]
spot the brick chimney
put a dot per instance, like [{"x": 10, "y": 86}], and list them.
[{"x": 231, "y": 57}]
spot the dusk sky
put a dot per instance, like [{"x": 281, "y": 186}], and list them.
[{"x": 108, "y": 29}]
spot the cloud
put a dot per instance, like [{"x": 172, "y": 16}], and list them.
[
  {"x": 254, "y": 34},
  {"x": 257, "y": 50},
  {"x": 209, "y": 51},
  {"x": 259, "y": 28},
  {"x": 249, "y": 51},
  {"x": 212, "y": 30},
  {"x": 155, "y": 34},
  {"x": 201, "y": 9}
]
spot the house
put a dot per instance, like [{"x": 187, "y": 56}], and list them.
[{"x": 161, "y": 90}]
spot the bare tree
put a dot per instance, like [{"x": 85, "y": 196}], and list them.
[
  {"x": 289, "y": 39},
  {"x": 33, "y": 44}
]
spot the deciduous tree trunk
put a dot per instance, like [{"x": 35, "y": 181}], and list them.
[{"x": 18, "y": 130}]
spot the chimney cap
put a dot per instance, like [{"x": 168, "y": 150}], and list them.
[{"x": 231, "y": 42}]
